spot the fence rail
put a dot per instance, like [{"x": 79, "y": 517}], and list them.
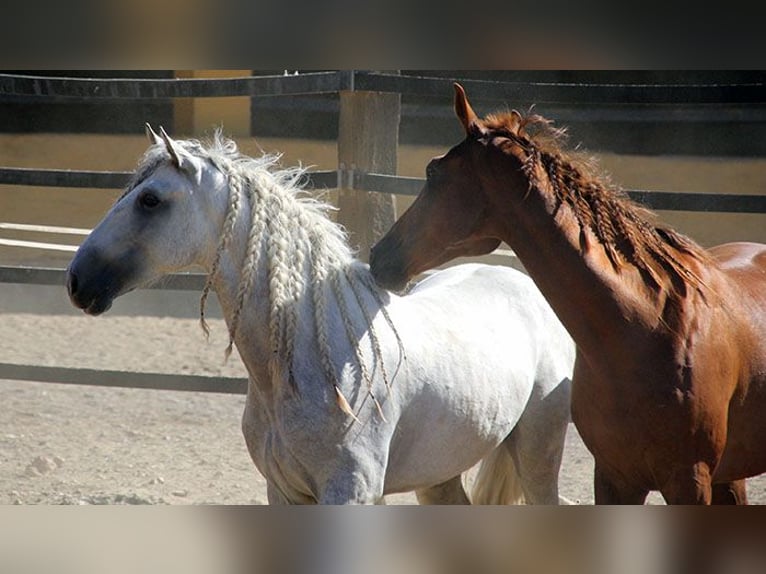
[
  {"x": 721, "y": 102},
  {"x": 62, "y": 88},
  {"x": 383, "y": 183},
  {"x": 354, "y": 80},
  {"x": 56, "y": 277},
  {"x": 125, "y": 379}
]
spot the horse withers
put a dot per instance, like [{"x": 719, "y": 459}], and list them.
[
  {"x": 354, "y": 392},
  {"x": 669, "y": 391}
]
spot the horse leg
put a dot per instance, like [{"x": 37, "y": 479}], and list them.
[
  {"x": 448, "y": 492},
  {"x": 734, "y": 492},
  {"x": 689, "y": 486},
  {"x": 355, "y": 482},
  {"x": 538, "y": 460},
  {"x": 275, "y": 496},
  {"x": 608, "y": 491},
  {"x": 536, "y": 447}
]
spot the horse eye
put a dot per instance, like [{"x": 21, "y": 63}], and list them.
[{"x": 148, "y": 200}]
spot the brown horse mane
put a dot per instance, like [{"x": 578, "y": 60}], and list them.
[{"x": 625, "y": 229}]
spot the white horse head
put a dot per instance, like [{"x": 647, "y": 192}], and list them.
[
  {"x": 187, "y": 204},
  {"x": 161, "y": 224}
]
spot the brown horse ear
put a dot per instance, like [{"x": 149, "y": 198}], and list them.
[
  {"x": 466, "y": 115},
  {"x": 517, "y": 123}
]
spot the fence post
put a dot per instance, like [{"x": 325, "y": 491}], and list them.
[
  {"x": 368, "y": 137},
  {"x": 198, "y": 116}
]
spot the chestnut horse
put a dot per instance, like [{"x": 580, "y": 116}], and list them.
[{"x": 669, "y": 390}]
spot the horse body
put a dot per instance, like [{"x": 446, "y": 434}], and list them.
[
  {"x": 354, "y": 392},
  {"x": 669, "y": 377},
  {"x": 457, "y": 394}
]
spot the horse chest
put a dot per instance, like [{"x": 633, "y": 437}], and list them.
[
  {"x": 273, "y": 453},
  {"x": 621, "y": 418},
  {"x": 300, "y": 447}
]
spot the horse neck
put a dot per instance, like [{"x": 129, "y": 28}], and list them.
[
  {"x": 252, "y": 335},
  {"x": 599, "y": 304},
  {"x": 288, "y": 296}
]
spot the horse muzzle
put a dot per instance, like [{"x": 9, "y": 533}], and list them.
[
  {"x": 387, "y": 267},
  {"x": 93, "y": 282},
  {"x": 90, "y": 303}
]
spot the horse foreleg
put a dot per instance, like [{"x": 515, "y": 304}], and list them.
[
  {"x": 275, "y": 496},
  {"x": 354, "y": 483},
  {"x": 448, "y": 492},
  {"x": 734, "y": 492},
  {"x": 608, "y": 491},
  {"x": 689, "y": 486}
]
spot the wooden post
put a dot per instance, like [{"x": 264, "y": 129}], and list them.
[
  {"x": 197, "y": 116},
  {"x": 367, "y": 141}
]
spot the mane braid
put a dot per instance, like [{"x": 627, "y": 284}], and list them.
[
  {"x": 252, "y": 254},
  {"x": 300, "y": 252},
  {"x": 226, "y": 235},
  {"x": 621, "y": 226},
  {"x": 377, "y": 352}
]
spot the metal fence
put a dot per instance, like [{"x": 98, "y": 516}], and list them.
[{"x": 736, "y": 100}]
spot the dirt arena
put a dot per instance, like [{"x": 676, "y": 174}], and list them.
[{"x": 70, "y": 444}]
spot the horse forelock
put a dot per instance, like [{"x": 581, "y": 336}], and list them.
[{"x": 624, "y": 228}]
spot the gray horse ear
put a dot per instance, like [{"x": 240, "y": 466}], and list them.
[
  {"x": 176, "y": 154},
  {"x": 152, "y": 135},
  {"x": 181, "y": 159}
]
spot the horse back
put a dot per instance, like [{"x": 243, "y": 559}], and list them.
[{"x": 508, "y": 299}]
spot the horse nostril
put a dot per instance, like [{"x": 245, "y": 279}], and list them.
[{"x": 71, "y": 283}]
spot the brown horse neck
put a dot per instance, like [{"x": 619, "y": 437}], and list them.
[{"x": 604, "y": 268}]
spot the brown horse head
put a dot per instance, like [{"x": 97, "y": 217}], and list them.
[{"x": 450, "y": 216}]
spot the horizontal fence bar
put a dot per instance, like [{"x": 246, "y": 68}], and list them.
[
  {"x": 702, "y": 202},
  {"x": 37, "y": 245},
  {"x": 565, "y": 93},
  {"x": 111, "y": 179},
  {"x": 123, "y": 379},
  {"x": 623, "y": 113},
  {"x": 340, "y": 80},
  {"x": 672, "y": 201},
  {"x": 663, "y": 200},
  {"x": 387, "y": 183},
  {"x": 45, "y": 229},
  {"x": 56, "y": 88},
  {"x": 57, "y": 277},
  {"x": 64, "y": 178},
  {"x": 322, "y": 179}
]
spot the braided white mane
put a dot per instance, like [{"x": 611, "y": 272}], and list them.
[{"x": 304, "y": 251}]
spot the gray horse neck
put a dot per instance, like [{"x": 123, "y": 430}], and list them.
[{"x": 301, "y": 307}]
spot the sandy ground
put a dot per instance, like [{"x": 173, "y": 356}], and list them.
[{"x": 72, "y": 444}]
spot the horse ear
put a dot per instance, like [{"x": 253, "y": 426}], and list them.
[
  {"x": 176, "y": 154},
  {"x": 471, "y": 122},
  {"x": 518, "y": 122},
  {"x": 181, "y": 159},
  {"x": 152, "y": 135}
]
